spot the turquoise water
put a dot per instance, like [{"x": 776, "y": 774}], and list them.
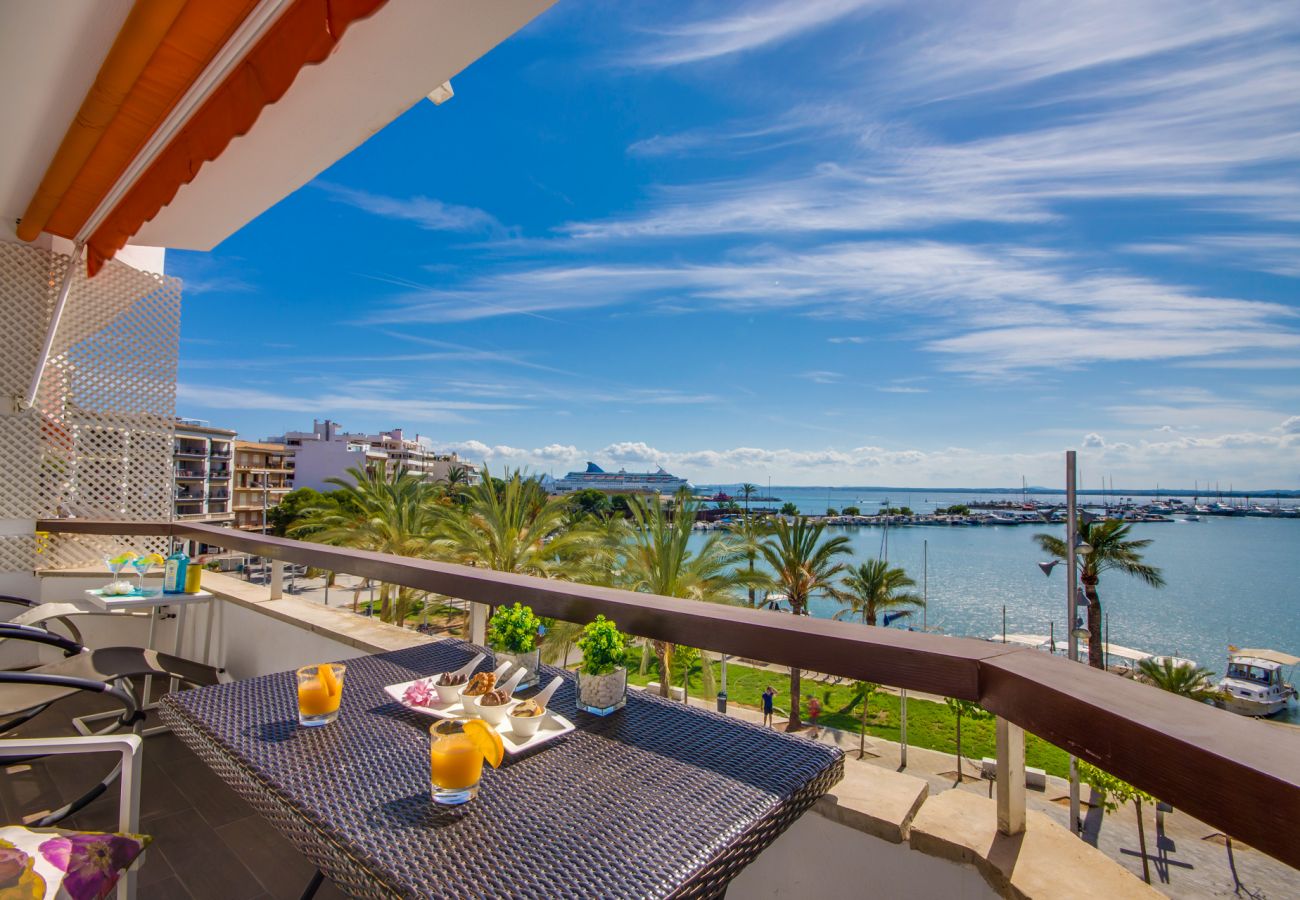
[{"x": 1229, "y": 580}]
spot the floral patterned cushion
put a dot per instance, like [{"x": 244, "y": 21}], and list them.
[{"x": 52, "y": 864}]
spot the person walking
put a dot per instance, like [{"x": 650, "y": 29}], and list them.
[
  {"x": 814, "y": 710},
  {"x": 769, "y": 697}
]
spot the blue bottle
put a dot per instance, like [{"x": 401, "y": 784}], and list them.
[{"x": 174, "y": 573}]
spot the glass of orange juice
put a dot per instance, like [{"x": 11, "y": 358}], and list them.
[
  {"x": 320, "y": 688},
  {"x": 456, "y": 757}
]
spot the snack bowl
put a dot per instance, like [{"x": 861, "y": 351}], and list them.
[
  {"x": 448, "y": 693},
  {"x": 493, "y": 714},
  {"x": 526, "y": 726}
]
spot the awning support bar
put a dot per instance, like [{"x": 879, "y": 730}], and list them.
[{"x": 68, "y": 274}]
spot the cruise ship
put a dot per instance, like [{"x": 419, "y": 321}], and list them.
[{"x": 620, "y": 482}]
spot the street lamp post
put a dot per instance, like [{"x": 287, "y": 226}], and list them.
[
  {"x": 1072, "y": 590},
  {"x": 1074, "y": 546}
]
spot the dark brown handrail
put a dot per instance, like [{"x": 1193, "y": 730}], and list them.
[{"x": 1237, "y": 774}]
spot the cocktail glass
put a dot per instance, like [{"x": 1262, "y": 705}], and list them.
[
  {"x": 142, "y": 565},
  {"x": 118, "y": 562},
  {"x": 320, "y": 688},
  {"x": 455, "y": 763}
]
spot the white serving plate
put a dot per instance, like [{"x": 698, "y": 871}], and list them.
[{"x": 552, "y": 725}]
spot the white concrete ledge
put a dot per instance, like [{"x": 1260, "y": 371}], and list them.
[
  {"x": 1046, "y": 861},
  {"x": 875, "y": 800}
]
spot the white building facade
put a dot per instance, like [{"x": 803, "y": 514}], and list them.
[{"x": 328, "y": 452}]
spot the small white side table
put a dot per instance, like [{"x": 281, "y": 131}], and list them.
[{"x": 155, "y": 601}]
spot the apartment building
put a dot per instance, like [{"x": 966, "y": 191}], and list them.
[
  {"x": 263, "y": 475},
  {"x": 201, "y": 472},
  {"x": 328, "y": 452}
]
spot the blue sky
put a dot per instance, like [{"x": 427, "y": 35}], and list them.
[{"x": 821, "y": 241}]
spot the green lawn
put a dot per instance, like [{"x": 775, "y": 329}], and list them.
[{"x": 929, "y": 725}]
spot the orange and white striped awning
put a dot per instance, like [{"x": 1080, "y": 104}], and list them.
[{"x": 181, "y": 80}]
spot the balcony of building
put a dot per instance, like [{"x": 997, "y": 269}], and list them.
[
  {"x": 904, "y": 834},
  {"x": 190, "y": 471},
  {"x": 219, "y": 473}
]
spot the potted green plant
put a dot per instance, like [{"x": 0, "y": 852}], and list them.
[
  {"x": 602, "y": 678},
  {"x": 512, "y": 635}
]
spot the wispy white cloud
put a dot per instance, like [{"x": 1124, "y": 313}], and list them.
[
  {"x": 846, "y": 339},
  {"x": 363, "y": 397},
  {"x": 1187, "y": 103},
  {"x": 984, "y": 309},
  {"x": 1275, "y": 253},
  {"x": 426, "y": 212},
  {"x": 754, "y": 26},
  {"x": 822, "y": 376}
]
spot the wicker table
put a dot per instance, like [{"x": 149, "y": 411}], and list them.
[{"x": 657, "y": 800}]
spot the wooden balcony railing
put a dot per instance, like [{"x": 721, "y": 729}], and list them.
[{"x": 1239, "y": 775}]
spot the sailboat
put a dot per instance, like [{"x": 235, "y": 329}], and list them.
[{"x": 1195, "y": 514}]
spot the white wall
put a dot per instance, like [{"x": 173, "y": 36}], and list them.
[{"x": 316, "y": 461}]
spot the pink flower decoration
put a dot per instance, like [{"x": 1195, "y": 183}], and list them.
[{"x": 419, "y": 694}]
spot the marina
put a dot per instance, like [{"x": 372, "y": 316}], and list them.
[{"x": 1231, "y": 580}]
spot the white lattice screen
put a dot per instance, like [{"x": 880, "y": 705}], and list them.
[{"x": 97, "y": 443}]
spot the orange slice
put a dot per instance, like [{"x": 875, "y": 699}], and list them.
[
  {"x": 487, "y": 741},
  {"x": 325, "y": 673}
]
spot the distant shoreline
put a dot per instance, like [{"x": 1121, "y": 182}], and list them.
[{"x": 1268, "y": 494}]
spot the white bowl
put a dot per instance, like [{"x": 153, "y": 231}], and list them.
[
  {"x": 493, "y": 715},
  {"x": 526, "y": 726},
  {"x": 470, "y": 703},
  {"x": 448, "y": 693}
]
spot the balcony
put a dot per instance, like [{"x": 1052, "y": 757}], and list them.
[
  {"x": 911, "y": 836},
  {"x": 190, "y": 474}
]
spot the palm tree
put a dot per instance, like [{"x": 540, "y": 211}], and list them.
[
  {"x": 748, "y": 534},
  {"x": 748, "y": 490},
  {"x": 875, "y": 587},
  {"x": 1112, "y": 550},
  {"x": 511, "y": 525},
  {"x": 1186, "y": 679},
  {"x": 657, "y": 559},
  {"x": 804, "y": 567},
  {"x": 380, "y": 511}
]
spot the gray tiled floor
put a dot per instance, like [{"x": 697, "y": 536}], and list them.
[{"x": 208, "y": 843}]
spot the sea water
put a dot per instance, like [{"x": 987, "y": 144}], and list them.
[{"x": 1229, "y": 580}]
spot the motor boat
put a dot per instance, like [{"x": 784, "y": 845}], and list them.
[{"x": 1253, "y": 685}]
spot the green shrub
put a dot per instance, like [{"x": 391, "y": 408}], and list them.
[
  {"x": 513, "y": 629},
  {"x": 604, "y": 647}
]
